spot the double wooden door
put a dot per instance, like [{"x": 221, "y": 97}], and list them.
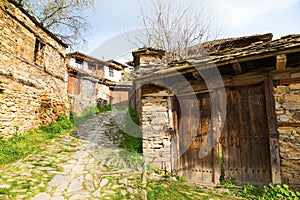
[{"x": 243, "y": 143}]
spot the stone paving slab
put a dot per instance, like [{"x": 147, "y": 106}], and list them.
[{"x": 73, "y": 167}]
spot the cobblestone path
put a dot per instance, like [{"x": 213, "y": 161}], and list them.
[{"x": 86, "y": 165}]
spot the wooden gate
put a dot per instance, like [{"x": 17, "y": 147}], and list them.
[
  {"x": 192, "y": 130},
  {"x": 120, "y": 97},
  {"x": 245, "y": 138}
]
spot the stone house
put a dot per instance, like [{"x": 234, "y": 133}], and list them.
[
  {"x": 238, "y": 104},
  {"x": 93, "y": 81},
  {"x": 109, "y": 70},
  {"x": 33, "y": 83},
  {"x": 86, "y": 90}
]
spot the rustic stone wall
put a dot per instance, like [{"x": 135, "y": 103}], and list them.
[
  {"x": 156, "y": 139},
  {"x": 87, "y": 94},
  {"x": 103, "y": 92},
  {"x": 33, "y": 85},
  {"x": 287, "y": 103}
]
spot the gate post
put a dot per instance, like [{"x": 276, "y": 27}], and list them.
[{"x": 273, "y": 134}]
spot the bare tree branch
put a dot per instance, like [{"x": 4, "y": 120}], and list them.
[
  {"x": 176, "y": 29},
  {"x": 65, "y": 18}
]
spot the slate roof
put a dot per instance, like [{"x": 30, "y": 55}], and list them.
[{"x": 256, "y": 50}]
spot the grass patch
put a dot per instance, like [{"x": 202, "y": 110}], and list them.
[
  {"x": 132, "y": 139},
  {"x": 169, "y": 189},
  {"x": 270, "y": 192},
  {"x": 132, "y": 142},
  {"x": 21, "y": 145},
  {"x": 103, "y": 109}
]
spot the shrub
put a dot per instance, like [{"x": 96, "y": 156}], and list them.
[
  {"x": 278, "y": 191},
  {"x": 103, "y": 109},
  {"x": 270, "y": 192}
]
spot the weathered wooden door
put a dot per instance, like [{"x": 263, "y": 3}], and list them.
[
  {"x": 245, "y": 140},
  {"x": 194, "y": 126},
  {"x": 120, "y": 97}
]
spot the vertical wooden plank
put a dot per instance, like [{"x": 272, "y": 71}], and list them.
[
  {"x": 253, "y": 137},
  {"x": 273, "y": 134},
  {"x": 216, "y": 154},
  {"x": 183, "y": 137},
  {"x": 180, "y": 138},
  {"x": 245, "y": 135},
  {"x": 207, "y": 166},
  {"x": 194, "y": 148},
  {"x": 188, "y": 137},
  {"x": 238, "y": 147},
  {"x": 259, "y": 130},
  {"x": 77, "y": 86},
  {"x": 233, "y": 134},
  {"x": 200, "y": 139},
  {"x": 138, "y": 98},
  {"x": 174, "y": 138},
  {"x": 170, "y": 112},
  {"x": 225, "y": 142},
  {"x": 230, "y": 120},
  {"x": 264, "y": 167}
]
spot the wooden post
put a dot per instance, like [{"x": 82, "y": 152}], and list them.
[
  {"x": 170, "y": 113},
  {"x": 273, "y": 134},
  {"x": 138, "y": 94},
  {"x": 216, "y": 130}
]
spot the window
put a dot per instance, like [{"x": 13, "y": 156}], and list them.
[
  {"x": 79, "y": 63},
  {"x": 39, "y": 52},
  {"x": 100, "y": 67},
  {"x": 111, "y": 72},
  {"x": 92, "y": 66}
]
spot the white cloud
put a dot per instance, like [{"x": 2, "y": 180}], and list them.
[{"x": 238, "y": 13}]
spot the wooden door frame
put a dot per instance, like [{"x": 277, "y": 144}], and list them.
[{"x": 273, "y": 133}]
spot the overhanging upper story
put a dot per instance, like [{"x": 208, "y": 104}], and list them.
[{"x": 109, "y": 70}]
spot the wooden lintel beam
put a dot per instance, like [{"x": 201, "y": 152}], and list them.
[
  {"x": 281, "y": 62},
  {"x": 288, "y": 124}
]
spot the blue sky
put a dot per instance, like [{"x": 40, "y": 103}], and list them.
[{"x": 112, "y": 18}]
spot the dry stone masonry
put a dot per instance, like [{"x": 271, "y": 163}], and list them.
[
  {"x": 287, "y": 103},
  {"x": 33, "y": 83},
  {"x": 156, "y": 139},
  {"x": 87, "y": 94}
]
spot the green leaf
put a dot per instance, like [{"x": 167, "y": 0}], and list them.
[{"x": 285, "y": 186}]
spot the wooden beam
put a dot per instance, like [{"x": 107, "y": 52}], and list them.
[
  {"x": 289, "y": 124},
  {"x": 281, "y": 62},
  {"x": 280, "y": 75},
  {"x": 273, "y": 134},
  {"x": 237, "y": 68},
  {"x": 289, "y": 81},
  {"x": 205, "y": 65}
]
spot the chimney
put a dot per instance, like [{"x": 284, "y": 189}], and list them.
[{"x": 147, "y": 56}]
